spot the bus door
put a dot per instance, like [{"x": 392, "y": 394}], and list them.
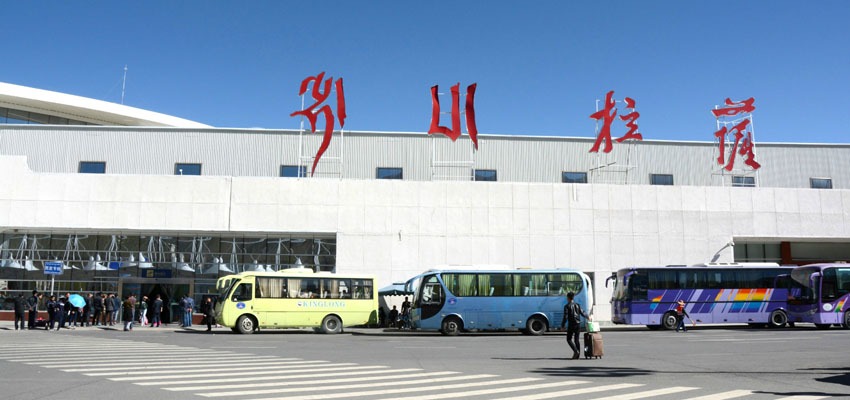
[
  {"x": 431, "y": 298},
  {"x": 241, "y": 300}
]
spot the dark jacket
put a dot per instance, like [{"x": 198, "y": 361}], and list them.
[
  {"x": 20, "y": 304},
  {"x": 127, "y": 311},
  {"x": 572, "y": 315}
]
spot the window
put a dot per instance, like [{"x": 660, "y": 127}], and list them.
[
  {"x": 187, "y": 169},
  {"x": 821, "y": 183},
  {"x": 574, "y": 177},
  {"x": 661, "y": 179},
  {"x": 747, "y": 181},
  {"x": 389, "y": 173},
  {"x": 293, "y": 171},
  {"x": 485, "y": 175},
  {"x": 272, "y": 288},
  {"x": 92, "y": 167}
]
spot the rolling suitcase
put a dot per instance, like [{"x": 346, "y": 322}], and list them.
[{"x": 593, "y": 345}]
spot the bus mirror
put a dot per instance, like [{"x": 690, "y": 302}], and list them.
[{"x": 613, "y": 276}]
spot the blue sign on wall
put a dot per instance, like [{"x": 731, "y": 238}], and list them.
[
  {"x": 53, "y": 268},
  {"x": 155, "y": 273}
]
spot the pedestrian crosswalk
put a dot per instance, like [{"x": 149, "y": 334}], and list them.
[{"x": 229, "y": 374}]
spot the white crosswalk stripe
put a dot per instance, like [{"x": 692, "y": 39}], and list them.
[{"x": 196, "y": 371}]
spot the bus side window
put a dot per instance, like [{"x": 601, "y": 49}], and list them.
[
  {"x": 244, "y": 292},
  {"x": 431, "y": 294}
]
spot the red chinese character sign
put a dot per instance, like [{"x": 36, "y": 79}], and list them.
[
  {"x": 607, "y": 115},
  {"x": 737, "y": 115},
  {"x": 469, "y": 110},
  {"x": 321, "y": 90}
]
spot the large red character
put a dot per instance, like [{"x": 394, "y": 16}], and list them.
[
  {"x": 631, "y": 124},
  {"x": 321, "y": 91},
  {"x": 607, "y": 116},
  {"x": 734, "y": 108},
  {"x": 454, "y": 132},
  {"x": 746, "y": 147}
]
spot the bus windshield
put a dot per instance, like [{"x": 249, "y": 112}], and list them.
[{"x": 225, "y": 288}]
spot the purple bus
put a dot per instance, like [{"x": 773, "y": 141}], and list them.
[
  {"x": 715, "y": 293},
  {"x": 824, "y": 290}
]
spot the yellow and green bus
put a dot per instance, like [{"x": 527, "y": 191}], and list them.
[{"x": 295, "y": 298}]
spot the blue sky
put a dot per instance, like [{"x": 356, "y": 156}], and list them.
[{"x": 540, "y": 66}]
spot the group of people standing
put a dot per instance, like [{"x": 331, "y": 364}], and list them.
[{"x": 100, "y": 309}]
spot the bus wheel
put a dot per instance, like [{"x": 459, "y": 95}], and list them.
[
  {"x": 331, "y": 324},
  {"x": 535, "y": 326},
  {"x": 451, "y": 326},
  {"x": 823, "y": 326},
  {"x": 777, "y": 319},
  {"x": 846, "y": 324},
  {"x": 245, "y": 324},
  {"x": 669, "y": 321}
]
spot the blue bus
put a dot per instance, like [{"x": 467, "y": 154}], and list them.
[
  {"x": 715, "y": 293},
  {"x": 530, "y": 301},
  {"x": 821, "y": 295}
]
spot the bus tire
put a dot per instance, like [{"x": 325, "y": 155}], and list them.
[
  {"x": 246, "y": 324},
  {"x": 777, "y": 319},
  {"x": 822, "y": 326},
  {"x": 536, "y": 326},
  {"x": 331, "y": 325},
  {"x": 669, "y": 321},
  {"x": 451, "y": 326},
  {"x": 846, "y": 323}
]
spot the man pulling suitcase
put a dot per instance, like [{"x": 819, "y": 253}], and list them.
[{"x": 572, "y": 319}]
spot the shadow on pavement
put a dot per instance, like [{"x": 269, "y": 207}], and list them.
[{"x": 594, "y": 372}]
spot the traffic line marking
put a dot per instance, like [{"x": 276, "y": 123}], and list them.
[
  {"x": 427, "y": 381},
  {"x": 418, "y": 389},
  {"x": 649, "y": 393},
  {"x": 394, "y": 376},
  {"x": 268, "y": 371},
  {"x": 723, "y": 396},
  {"x": 571, "y": 392}
]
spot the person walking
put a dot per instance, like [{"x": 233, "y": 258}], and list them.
[
  {"x": 143, "y": 311},
  {"x": 61, "y": 306},
  {"x": 116, "y": 307},
  {"x": 97, "y": 308},
  {"x": 156, "y": 312},
  {"x": 32, "y": 306},
  {"x": 51, "y": 312},
  {"x": 188, "y": 312},
  {"x": 20, "y": 308},
  {"x": 572, "y": 320},
  {"x": 87, "y": 310},
  {"x": 681, "y": 313},
  {"x": 127, "y": 313},
  {"x": 209, "y": 312},
  {"x": 109, "y": 305}
]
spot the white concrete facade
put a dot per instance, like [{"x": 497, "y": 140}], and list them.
[{"x": 396, "y": 229}]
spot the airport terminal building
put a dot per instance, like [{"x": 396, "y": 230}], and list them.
[{"x": 126, "y": 200}]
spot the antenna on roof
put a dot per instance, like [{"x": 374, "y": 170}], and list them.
[{"x": 123, "y": 83}]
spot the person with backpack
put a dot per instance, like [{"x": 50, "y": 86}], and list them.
[
  {"x": 32, "y": 306},
  {"x": 572, "y": 320},
  {"x": 156, "y": 311},
  {"x": 20, "y": 308},
  {"x": 51, "y": 312},
  {"x": 681, "y": 313}
]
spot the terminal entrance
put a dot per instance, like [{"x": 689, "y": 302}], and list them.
[{"x": 168, "y": 289}]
